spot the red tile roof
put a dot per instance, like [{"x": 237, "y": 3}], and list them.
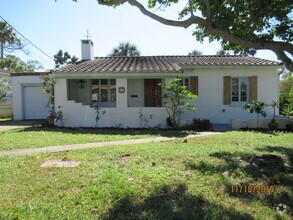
[{"x": 161, "y": 63}]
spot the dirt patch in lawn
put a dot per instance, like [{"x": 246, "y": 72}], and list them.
[{"x": 60, "y": 163}]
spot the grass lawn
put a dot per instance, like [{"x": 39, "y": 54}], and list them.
[
  {"x": 5, "y": 119},
  {"x": 45, "y": 136},
  {"x": 166, "y": 180}
]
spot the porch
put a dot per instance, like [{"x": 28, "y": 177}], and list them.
[{"x": 127, "y": 102}]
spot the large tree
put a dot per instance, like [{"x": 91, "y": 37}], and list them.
[
  {"x": 61, "y": 58},
  {"x": 8, "y": 39},
  {"x": 125, "y": 49},
  {"x": 237, "y": 24}
]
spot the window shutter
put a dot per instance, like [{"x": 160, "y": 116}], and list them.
[
  {"x": 194, "y": 85},
  {"x": 227, "y": 90},
  {"x": 253, "y": 88}
]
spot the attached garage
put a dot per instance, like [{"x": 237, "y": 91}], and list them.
[
  {"x": 34, "y": 103},
  {"x": 29, "y": 101}
]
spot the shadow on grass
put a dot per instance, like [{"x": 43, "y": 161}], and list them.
[
  {"x": 272, "y": 170},
  {"x": 171, "y": 202},
  {"x": 110, "y": 131}
]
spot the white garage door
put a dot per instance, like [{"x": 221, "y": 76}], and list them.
[{"x": 35, "y": 101}]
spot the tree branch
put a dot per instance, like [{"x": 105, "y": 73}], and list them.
[
  {"x": 270, "y": 45},
  {"x": 279, "y": 47},
  {"x": 285, "y": 59},
  {"x": 185, "y": 24},
  {"x": 208, "y": 5},
  {"x": 190, "y": 7}
]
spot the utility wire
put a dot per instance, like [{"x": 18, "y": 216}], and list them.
[
  {"x": 35, "y": 56},
  {"x": 26, "y": 38},
  {"x": 29, "y": 52}
]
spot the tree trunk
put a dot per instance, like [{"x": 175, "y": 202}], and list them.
[{"x": 2, "y": 49}]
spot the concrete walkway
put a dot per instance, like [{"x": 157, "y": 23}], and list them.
[{"x": 99, "y": 144}]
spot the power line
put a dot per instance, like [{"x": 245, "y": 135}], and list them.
[
  {"x": 35, "y": 56},
  {"x": 26, "y": 38},
  {"x": 29, "y": 53}
]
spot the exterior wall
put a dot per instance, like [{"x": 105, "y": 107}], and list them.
[
  {"x": 252, "y": 123},
  {"x": 209, "y": 103},
  {"x": 18, "y": 83},
  {"x": 79, "y": 115}
]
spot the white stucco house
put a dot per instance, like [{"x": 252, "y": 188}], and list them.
[{"x": 125, "y": 86}]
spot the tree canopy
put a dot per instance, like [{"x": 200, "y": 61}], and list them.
[
  {"x": 195, "y": 53},
  {"x": 15, "y": 64},
  {"x": 8, "y": 39},
  {"x": 238, "y": 25},
  {"x": 125, "y": 49},
  {"x": 61, "y": 58}
]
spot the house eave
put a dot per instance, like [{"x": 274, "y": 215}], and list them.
[{"x": 115, "y": 74}]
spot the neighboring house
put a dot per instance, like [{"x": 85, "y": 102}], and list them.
[
  {"x": 124, "y": 86},
  {"x": 6, "y": 107}
]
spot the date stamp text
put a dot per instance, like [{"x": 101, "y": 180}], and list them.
[{"x": 252, "y": 189}]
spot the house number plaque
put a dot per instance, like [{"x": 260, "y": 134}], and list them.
[{"x": 121, "y": 89}]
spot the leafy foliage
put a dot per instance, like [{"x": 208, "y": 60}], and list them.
[
  {"x": 125, "y": 49},
  {"x": 274, "y": 105},
  {"x": 256, "y": 107},
  {"x": 243, "y": 26},
  {"x": 5, "y": 89},
  {"x": 177, "y": 100},
  {"x": 61, "y": 58},
  {"x": 288, "y": 111},
  {"x": 286, "y": 89},
  {"x": 194, "y": 53},
  {"x": 48, "y": 89},
  {"x": 99, "y": 113},
  {"x": 15, "y": 64}
]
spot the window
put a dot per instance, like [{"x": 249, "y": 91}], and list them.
[
  {"x": 185, "y": 82},
  {"x": 239, "y": 89},
  {"x": 104, "y": 92}
]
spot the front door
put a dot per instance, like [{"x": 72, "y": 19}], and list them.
[{"x": 152, "y": 93}]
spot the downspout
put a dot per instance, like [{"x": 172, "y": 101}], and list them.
[{"x": 279, "y": 74}]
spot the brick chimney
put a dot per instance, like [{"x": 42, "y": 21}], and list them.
[{"x": 87, "y": 50}]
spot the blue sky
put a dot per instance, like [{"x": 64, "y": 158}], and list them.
[{"x": 61, "y": 25}]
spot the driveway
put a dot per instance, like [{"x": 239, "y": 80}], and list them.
[{"x": 8, "y": 125}]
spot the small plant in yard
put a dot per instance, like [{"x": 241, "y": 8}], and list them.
[
  {"x": 144, "y": 120},
  {"x": 99, "y": 113},
  {"x": 59, "y": 115},
  {"x": 256, "y": 107},
  {"x": 48, "y": 89},
  {"x": 273, "y": 124},
  {"x": 202, "y": 124},
  {"x": 177, "y": 100},
  {"x": 288, "y": 112}
]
